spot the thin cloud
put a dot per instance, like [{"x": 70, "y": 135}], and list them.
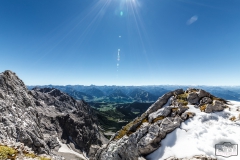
[{"x": 192, "y": 20}]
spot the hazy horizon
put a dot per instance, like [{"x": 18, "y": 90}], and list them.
[{"x": 136, "y": 85}]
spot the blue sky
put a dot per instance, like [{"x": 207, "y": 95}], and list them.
[{"x": 183, "y": 42}]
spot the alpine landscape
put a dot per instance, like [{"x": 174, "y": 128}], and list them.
[{"x": 119, "y": 80}]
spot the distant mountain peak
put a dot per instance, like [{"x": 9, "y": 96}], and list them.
[
  {"x": 117, "y": 93},
  {"x": 142, "y": 95},
  {"x": 93, "y": 91}
]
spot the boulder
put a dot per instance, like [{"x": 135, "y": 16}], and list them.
[
  {"x": 178, "y": 91},
  {"x": 201, "y": 93},
  {"x": 163, "y": 112},
  {"x": 187, "y": 115},
  {"x": 189, "y": 90},
  {"x": 209, "y": 108},
  {"x": 193, "y": 98},
  {"x": 145, "y": 145},
  {"x": 205, "y": 100},
  {"x": 159, "y": 103},
  {"x": 218, "y": 105}
]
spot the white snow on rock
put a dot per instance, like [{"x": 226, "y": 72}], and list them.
[{"x": 200, "y": 134}]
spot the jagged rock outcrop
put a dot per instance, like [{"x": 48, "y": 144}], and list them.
[
  {"x": 38, "y": 117},
  {"x": 143, "y": 135},
  {"x": 74, "y": 121},
  {"x": 18, "y": 116}
]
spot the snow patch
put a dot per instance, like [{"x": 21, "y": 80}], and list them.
[
  {"x": 200, "y": 134},
  {"x": 67, "y": 149},
  {"x": 168, "y": 102}
]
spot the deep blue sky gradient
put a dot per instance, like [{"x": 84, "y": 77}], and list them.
[{"x": 77, "y": 41}]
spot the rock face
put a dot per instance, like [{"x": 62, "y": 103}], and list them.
[
  {"x": 143, "y": 135},
  {"x": 37, "y": 117},
  {"x": 18, "y": 116},
  {"x": 61, "y": 115}
]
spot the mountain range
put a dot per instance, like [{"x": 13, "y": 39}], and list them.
[
  {"x": 46, "y": 123},
  {"x": 137, "y": 93}
]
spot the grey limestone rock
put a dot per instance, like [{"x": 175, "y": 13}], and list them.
[
  {"x": 205, "y": 100},
  {"x": 18, "y": 115},
  {"x": 72, "y": 120},
  {"x": 201, "y": 93},
  {"x": 181, "y": 109},
  {"x": 209, "y": 108},
  {"x": 147, "y": 136},
  {"x": 215, "y": 106},
  {"x": 218, "y": 105},
  {"x": 193, "y": 98},
  {"x": 163, "y": 100},
  {"x": 37, "y": 117},
  {"x": 164, "y": 112}
]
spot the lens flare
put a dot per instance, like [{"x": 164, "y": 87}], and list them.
[{"x": 121, "y": 13}]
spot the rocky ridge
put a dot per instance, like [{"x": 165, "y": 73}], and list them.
[
  {"x": 38, "y": 117},
  {"x": 143, "y": 135}
]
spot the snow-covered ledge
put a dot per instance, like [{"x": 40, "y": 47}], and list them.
[{"x": 200, "y": 134}]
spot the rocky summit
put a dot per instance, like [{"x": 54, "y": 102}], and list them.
[
  {"x": 143, "y": 135},
  {"x": 38, "y": 120},
  {"x": 39, "y": 117}
]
